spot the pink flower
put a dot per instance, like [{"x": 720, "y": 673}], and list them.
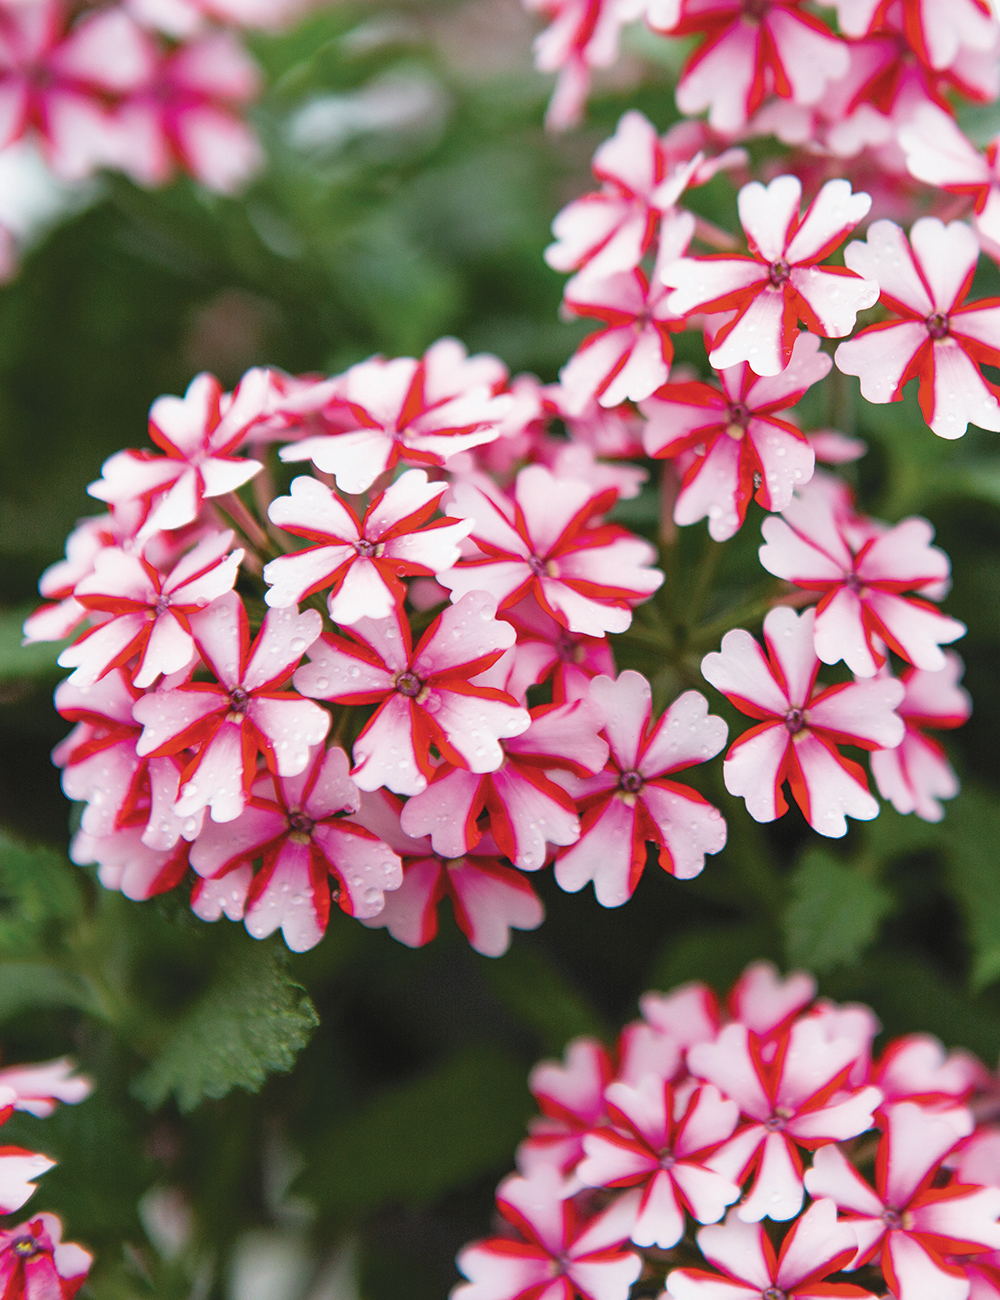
[
  {"x": 240, "y": 714},
  {"x": 635, "y": 801},
  {"x": 740, "y": 446},
  {"x": 913, "y": 1224},
  {"x": 749, "y": 54},
  {"x": 583, "y": 35},
  {"x": 765, "y": 1002},
  {"x": 938, "y": 153},
  {"x": 642, "y": 176},
  {"x": 187, "y": 116},
  {"x": 198, "y": 432},
  {"x": 17, "y": 1166},
  {"x": 560, "y": 1255},
  {"x": 35, "y": 1264},
  {"x": 424, "y": 695},
  {"x": 59, "y": 83},
  {"x": 128, "y": 864},
  {"x": 488, "y": 899},
  {"x": 527, "y": 810},
  {"x": 863, "y": 571},
  {"x": 149, "y": 611},
  {"x": 570, "y": 1095},
  {"x": 40, "y": 1087},
  {"x": 936, "y": 338},
  {"x": 420, "y": 412},
  {"x": 545, "y": 651},
  {"x": 937, "y": 34},
  {"x": 296, "y": 825},
  {"x": 794, "y": 1096},
  {"x": 651, "y": 1146},
  {"x": 816, "y": 1246},
  {"x": 545, "y": 543},
  {"x": 363, "y": 560},
  {"x": 628, "y": 358},
  {"x": 917, "y": 1068},
  {"x": 799, "y": 728},
  {"x": 102, "y": 769},
  {"x": 781, "y": 283},
  {"x": 917, "y": 774}
]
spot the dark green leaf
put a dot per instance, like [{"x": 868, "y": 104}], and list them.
[
  {"x": 252, "y": 1022},
  {"x": 38, "y": 889},
  {"x": 834, "y": 914},
  {"x": 715, "y": 954},
  {"x": 410, "y": 1145}
]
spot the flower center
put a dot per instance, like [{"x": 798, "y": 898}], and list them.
[
  {"x": 776, "y": 1122},
  {"x": 795, "y": 720},
  {"x": 162, "y": 604},
  {"x": 739, "y": 418},
  {"x": 853, "y": 583},
  {"x": 937, "y": 325},
  {"x": 667, "y": 1160},
  {"x": 569, "y": 650},
  {"x": 755, "y": 10},
  {"x": 368, "y": 550},
  {"x": 631, "y": 782},
  {"x": 541, "y": 568},
  {"x": 239, "y": 699},
  {"x": 773, "y": 1293},
  {"x": 897, "y": 1219},
  {"x": 301, "y": 825},
  {"x": 779, "y": 271},
  {"x": 25, "y": 1247},
  {"x": 409, "y": 684}
]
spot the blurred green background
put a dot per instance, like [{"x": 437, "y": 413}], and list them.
[{"x": 409, "y": 194}]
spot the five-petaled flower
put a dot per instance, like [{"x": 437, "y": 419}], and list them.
[
  {"x": 198, "y": 434},
  {"x": 799, "y": 728},
  {"x": 913, "y": 1225},
  {"x": 635, "y": 800},
  {"x": 362, "y": 560},
  {"x": 781, "y": 282},
  {"x": 866, "y": 575},
  {"x": 243, "y": 712},
  {"x": 546, "y": 542},
  {"x": 424, "y": 694},
  {"x": 418, "y": 412},
  {"x": 149, "y": 610},
  {"x": 741, "y": 448},
  {"x": 558, "y": 1257},
  {"x": 297, "y": 825},
  {"x": 649, "y": 1144},
  {"x": 939, "y": 338}
]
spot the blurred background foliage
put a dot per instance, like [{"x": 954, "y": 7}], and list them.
[{"x": 408, "y": 195}]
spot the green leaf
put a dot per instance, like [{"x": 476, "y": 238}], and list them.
[
  {"x": 38, "y": 890},
  {"x": 458, "y": 1122},
  {"x": 541, "y": 997},
  {"x": 18, "y": 661},
  {"x": 834, "y": 914},
  {"x": 252, "y": 1022},
  {"x": 25, "y": 986},
  {"x": 972, "y": 833}
]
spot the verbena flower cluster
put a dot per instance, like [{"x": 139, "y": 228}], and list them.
[
  {"x": 879, "y": 1170},
  {"x": 390, "y": 678},
  {"x": 35, "y": 1263}
]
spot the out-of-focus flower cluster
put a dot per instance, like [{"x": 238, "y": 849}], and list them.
[
  {"x": 35, "y": 1263},
  {"x": 149, "y": 88},
  {"x": 392, "y": 679},
  {"x": 875, "y": 1168}
]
